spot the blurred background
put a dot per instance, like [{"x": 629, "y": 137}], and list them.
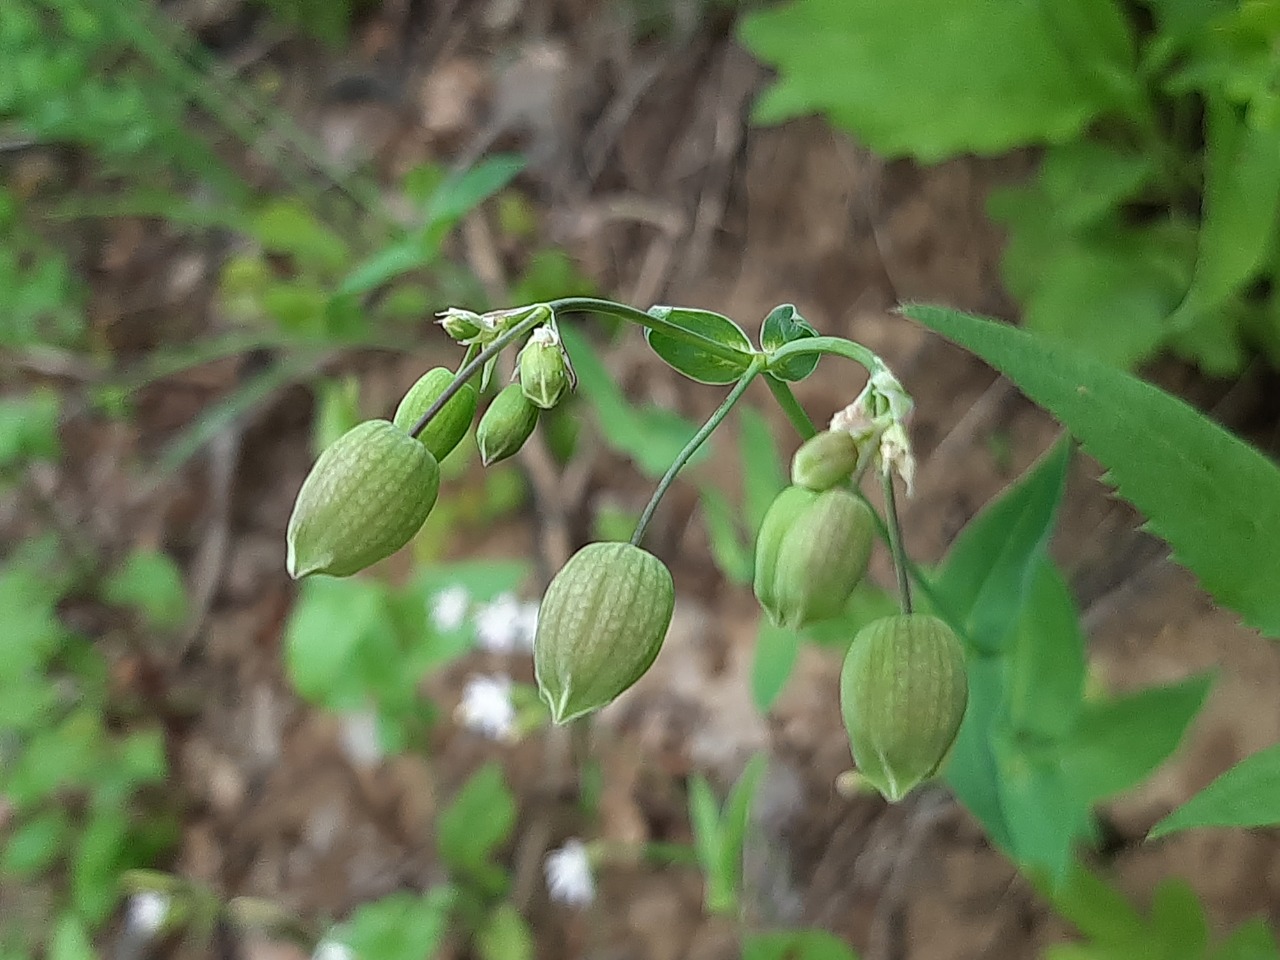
[{"x": 227, "y": 226}]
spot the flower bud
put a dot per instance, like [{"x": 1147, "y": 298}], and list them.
[
  {"x": 364, "y": 499},
  {"x": 825, "y": 460},
  {"x": 812, "y": 550},
  {"x": 544, "y": 369},
  {"x": 903, "y": 692},
  {"x": 506, "y": 425},
  {"x": 464, "y": 326},
  {"x": 600, "y": 626},
  {"x": 449, "y": 425}
]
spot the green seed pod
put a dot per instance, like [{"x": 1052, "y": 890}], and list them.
[
  {"x": 812, "y": 550},
  {"x": 600, "y": 626},
  {"x": 825, "y": 460},
  {"x": 903, "y": 692},
  {"x": 506, "y": 425},
  {"x": 364, "y": 499},
  {"x": 449, "y": 426},
  {"x": 544, "y": 371}
]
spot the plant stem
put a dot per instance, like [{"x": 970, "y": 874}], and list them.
[
  {"x": 690, "y": 448},
  {"x": 791, "y": 407},
  {"x": 469, "y": 370},
  {"x": 895, "y": 542},
  {"x": 676, "y": 332},
  {"x": 835, "y": 346}
]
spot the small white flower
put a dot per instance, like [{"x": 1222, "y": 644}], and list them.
[
  {"x": 569, "y": 878},
  {"x": 147, "y": 912},
  {"x": 359, "y": 736},
  {"x": 498, "y": 624},
  {"x": 486, "y": 707},
  {"x": 333, "y": 950},
  {"x": 449, "y": 608}
]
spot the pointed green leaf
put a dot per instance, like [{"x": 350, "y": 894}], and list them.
[
  {"x": 1247, "y": 795},
  {"x": 1047, "y": 661},
  {"x": 694, "y": 361},
  {"x": 986, "y": 572},
  {"x": 1119, "y": 743},
  {"x": 1213, "y": 498},
  {"x": 775, "y": 656}
]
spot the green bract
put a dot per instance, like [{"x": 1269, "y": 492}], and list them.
[
  {"x": 812, "y": 550},
  {"x": 601, "y": 624},
  {"x": 364, "y": 499},
  {"x": 506, "y": 425},
  {"x": 825, "y": 460},
  {"x": 903, "y": 692},
  {"x": 449, "y": 426}
]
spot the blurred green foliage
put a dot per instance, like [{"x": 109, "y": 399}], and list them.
[{"x": 1150, "y": 223}]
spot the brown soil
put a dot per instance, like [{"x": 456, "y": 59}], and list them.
[{"x": 645, "y": 168}]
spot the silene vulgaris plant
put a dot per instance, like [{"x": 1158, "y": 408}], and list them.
[{"x": 605, "y": 614}]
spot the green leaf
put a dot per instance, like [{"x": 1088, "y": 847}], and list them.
[
  {"x": 981, "y": 79},
  {"x": 1241, "y": 199},
  {"x": 1177, "y": 919},
  {"x": 460, "y": 194},
  {"x": 384, "y": 266},
  {"x": 972, "y": 772},
  {"x": 337, "y": 411},
  {"x": 35, "y": 844},
  {"x": 987, "y": 570},
  {"x": 733, "y": 830},
  {"x": 28, "y": 428},
  {"x": 781, "y": 326},
  {"x": 763, "y": 471},
  {"x": 401, "y": 926},
  {"x": 775, "y": 656},
  {"x": 1100, "y": 912},
  {"x": 1213, "y": 498},
  {"x": 1044, "y": 811},
  {"x": 151, "y": 583},
  {"x": 1047, "y": 661},
  {"x": 1119, "y": 743},
  {"x": 704, "y": 820},
  {"x": 96, "y": 862},
  {"x": 732, "y": 556},
  {"x": 331, "y": 620},
  {"x": 288, "y": 226},
  {"x": 1252, "y": 941},
  {"x": 505, "y": 936},
  {"x": 476, "y": 822},
  {"x": 1247, "y": 795},
  {"x": 690, "y": 359},
  {"x": 796, "y": 945},
  {"x": 1085, "y": 180},
  {"x": 70, "y": 941}
]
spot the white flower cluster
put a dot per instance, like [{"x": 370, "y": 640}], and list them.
[
  {"x": 504, "y": 625},
  {"x": 333, "y": 950}
]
